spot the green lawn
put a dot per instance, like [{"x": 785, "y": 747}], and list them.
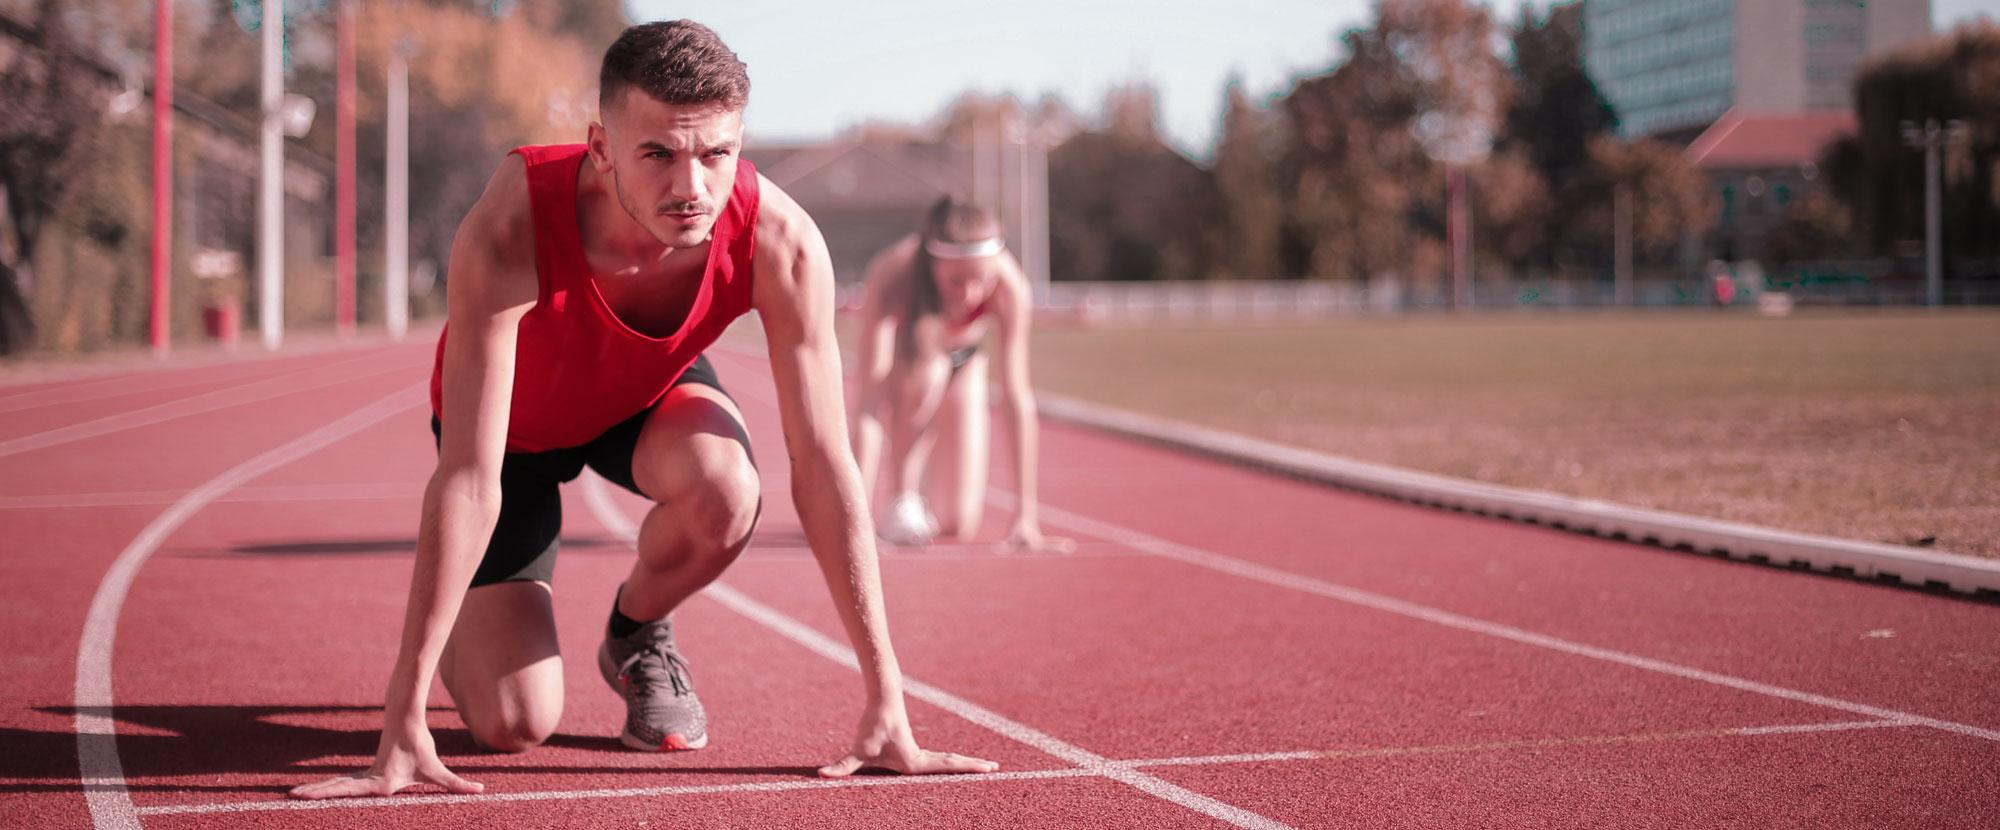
[{"x": 1878, "y": 425}]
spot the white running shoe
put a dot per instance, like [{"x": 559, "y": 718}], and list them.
[{"x": 907, "y": 522}]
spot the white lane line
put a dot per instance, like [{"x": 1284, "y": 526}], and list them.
[
  {"x": 102, "y": 774},
  {"x": 56, "y": 386},
  {"x": 394, "y": 491},
  {"x": 630, "y": 792},
  {"x": 1070, "y": 772},
  {"x": 268, "y": 388},
  {"x": 38, "y": 397},
  {"x": 1239, "y": 758},
  {"x": 1286, "y": 579},
  {"x": 619, "y": 524},
  {"x": 1502, "y": 746},
  {"x": 1821, "y": 727},
  {"x": 92, "y": 391}
]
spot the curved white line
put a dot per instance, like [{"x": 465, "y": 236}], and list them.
[
  {"x": 210, "y": 401},
  {"x": 94, "y": 391},
  {"x": 102, "y": 775}
]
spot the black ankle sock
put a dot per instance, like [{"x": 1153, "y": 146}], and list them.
[{"x": 621, "y": 626}]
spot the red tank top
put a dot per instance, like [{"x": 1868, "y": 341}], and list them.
[{"x": 579, "y": 370}]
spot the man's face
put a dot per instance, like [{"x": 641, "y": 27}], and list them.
[
  {"x": 963, "y": 283},
  {"x": 672, "y": 165}
]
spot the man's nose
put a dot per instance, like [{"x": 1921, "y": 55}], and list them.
[{"x": 685, "y": 185}]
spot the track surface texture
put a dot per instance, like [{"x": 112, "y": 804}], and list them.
[{"x": 204, "y": 569}]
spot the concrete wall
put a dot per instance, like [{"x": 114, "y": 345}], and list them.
[{"x": 1770, "y": 55}]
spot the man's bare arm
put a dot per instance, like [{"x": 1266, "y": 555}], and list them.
[
  {"x": 793, "y": 295},
  {"x": 493, "y": 284}
]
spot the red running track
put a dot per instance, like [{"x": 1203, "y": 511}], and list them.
[{"x": 205, "y": 569}]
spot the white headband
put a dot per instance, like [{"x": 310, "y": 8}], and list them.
[{"x": 964, "y": 250}]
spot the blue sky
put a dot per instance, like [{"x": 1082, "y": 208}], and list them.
[{"x": 818, "y": 67}]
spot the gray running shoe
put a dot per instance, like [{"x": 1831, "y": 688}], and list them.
[{"x": 661, "y": 711}]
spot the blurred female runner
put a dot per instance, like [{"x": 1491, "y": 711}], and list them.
[{"x": 928, "y": 304}]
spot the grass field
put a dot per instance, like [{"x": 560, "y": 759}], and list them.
[{"x": 1876, "y": 425}]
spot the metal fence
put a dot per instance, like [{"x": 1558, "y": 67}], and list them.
[{"x": 1278, "y": 301}]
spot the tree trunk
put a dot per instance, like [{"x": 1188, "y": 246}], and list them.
[{"x": 17, "y": 325}]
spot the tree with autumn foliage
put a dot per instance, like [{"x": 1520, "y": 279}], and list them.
[
  {"x": 1511, "y": 210},
  {"x": 1880, "y": 179},
  {"x": 1247, "y": 238},
  {"x": 55, "y": 88},
  {"x": 1556, "y": 112},
  {"x": 1817, "y": 227},
  {"x": 1418, "y": 90},
  {"x": 1668, "y": 199},
  {"x": 1557, "y": 109},
  {"x": 483, "y": 78},
  {"x": 1125, "y": 206}
]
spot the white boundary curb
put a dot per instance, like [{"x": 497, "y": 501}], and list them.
[{"x": 1749, "y": 543}]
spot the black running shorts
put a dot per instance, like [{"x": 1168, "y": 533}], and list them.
[{"x": 524, "y": 541}]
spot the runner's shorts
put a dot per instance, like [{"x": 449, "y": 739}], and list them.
[{"x": 525, "y": 539}]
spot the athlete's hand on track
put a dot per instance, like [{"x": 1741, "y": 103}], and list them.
[
  {"x": 885, "y": 742},
  {"x": 1027, "y": 537},
  {"x": 404, "y": 760}
]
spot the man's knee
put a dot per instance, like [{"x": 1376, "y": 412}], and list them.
[
  {"x": 716, "y": 504},
  {"x": 513, "y": 733},
  {"x": 515, "y": 714}
]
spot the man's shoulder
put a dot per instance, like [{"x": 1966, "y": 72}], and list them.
[
  {"x": 783, "y": 226},
  {"x": 504, "y": 216},
  {"x": 497, "y": 237}
]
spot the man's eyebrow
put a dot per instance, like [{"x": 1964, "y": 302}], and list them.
[{"x": 699, "y": 147}]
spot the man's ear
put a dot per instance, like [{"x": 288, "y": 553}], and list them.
[{"x": 598, "y": 143}]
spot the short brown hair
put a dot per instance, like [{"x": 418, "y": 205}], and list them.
[{"x": 675, "y": 62}]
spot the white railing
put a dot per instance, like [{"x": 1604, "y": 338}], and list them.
[{"x": 1283, "y": 300}]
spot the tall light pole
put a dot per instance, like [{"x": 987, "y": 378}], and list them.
[
  {"x": 271, "y": 182},
  {"x": 1031, "y": 205},
  {"x": 1621, "y": 244},
  {"x": 1932, "y": 137},
  {"x": 396, "y": 234},
  {"x": 1458, "y": 235}
]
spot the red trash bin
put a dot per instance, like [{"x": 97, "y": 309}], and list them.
[{"x": 219, "y": 322}]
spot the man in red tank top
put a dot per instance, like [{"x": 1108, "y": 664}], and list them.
[{"x": 585, "y": 283}]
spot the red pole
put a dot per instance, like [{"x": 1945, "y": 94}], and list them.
[
  {"x": 343, "y": 189},
  {"x": 163, "y": 172}
]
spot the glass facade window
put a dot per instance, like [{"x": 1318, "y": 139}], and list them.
[
  {"x": 1672, "y": 64},
  {"x": 1662, "y": 63}
]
